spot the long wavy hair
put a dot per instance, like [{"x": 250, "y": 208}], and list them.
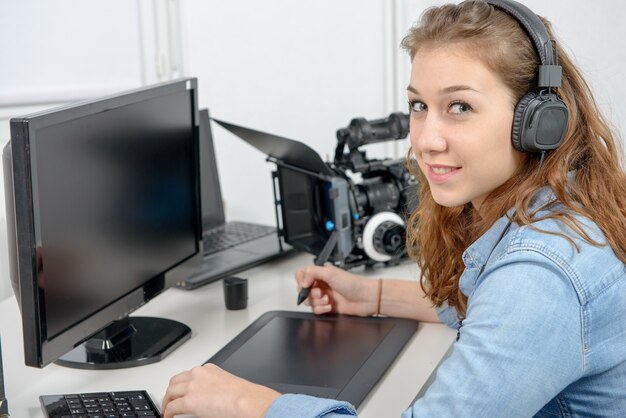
[{"x": 437, "y": 236}]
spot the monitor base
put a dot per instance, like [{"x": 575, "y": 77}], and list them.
[{"x": 129, "y": 342}]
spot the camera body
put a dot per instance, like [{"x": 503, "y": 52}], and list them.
[{"x": 364, "y": 201}]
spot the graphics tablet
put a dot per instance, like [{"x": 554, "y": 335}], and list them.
[{"x": 330, "y": 356}]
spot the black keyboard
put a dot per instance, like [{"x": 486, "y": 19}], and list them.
[
  {"x": 135, "y": 403},
  {"x": 231, "y": 234}
]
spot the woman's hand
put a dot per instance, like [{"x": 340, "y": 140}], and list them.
[
  {"x": 210, "y": 392},
  {"x": 337, "y": 291}
]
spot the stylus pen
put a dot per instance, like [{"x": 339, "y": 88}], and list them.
[{"x": 319, "y": 261}]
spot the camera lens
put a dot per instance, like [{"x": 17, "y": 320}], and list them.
[
  {"x": 389, "y": 238},
  {"x": 380, "y": 195}
]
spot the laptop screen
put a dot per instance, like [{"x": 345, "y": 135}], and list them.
[{"x": 212, "y": 206}]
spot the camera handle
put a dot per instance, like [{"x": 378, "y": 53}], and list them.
[
  {"x": 327, "y": 250},
  {"x": 362, "y": 132},
  {"x": 277, "y": 203}
]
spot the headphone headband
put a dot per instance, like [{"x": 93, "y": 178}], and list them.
[{"x": 549, "y": 70}]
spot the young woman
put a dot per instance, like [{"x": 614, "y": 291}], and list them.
[{"x": 522, "y": 249}]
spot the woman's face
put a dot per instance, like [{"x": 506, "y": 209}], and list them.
[{"x": 461, "y": 118}]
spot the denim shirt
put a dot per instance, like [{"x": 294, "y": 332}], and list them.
[{"x": 544, "y": 333}]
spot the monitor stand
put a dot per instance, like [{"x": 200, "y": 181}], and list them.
[{"x": 129, "y": 342}]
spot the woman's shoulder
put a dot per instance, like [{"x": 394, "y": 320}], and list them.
[
  {"x": 576, "y": 245},
  {"x": 558, "y": 228}
]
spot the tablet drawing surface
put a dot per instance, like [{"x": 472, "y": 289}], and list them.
[{"x": 334, "y": 356}]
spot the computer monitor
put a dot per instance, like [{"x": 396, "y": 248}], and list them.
[{"x": 103, "y": 209}]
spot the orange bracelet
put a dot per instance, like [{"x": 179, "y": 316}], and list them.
[{"x": 380, "y": 294}]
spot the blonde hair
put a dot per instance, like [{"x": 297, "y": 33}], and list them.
[{"x": 437, "y": 236}]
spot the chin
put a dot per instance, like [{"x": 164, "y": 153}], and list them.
[{"x": 449, "y": 201}]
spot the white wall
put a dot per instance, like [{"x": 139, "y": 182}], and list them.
[
  {"x": 67, "y": 50},
  {"x": 297, "y": 69}
]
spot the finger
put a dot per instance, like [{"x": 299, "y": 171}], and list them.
[
  {"x": 181, "y": 377},
  {"x": 316, "y": 293},
  {"x": 175, "y": 407},
  {"x": 322, "y": 300},
  {"x": 322, "y": 309},
  {"x": 306, "y": 277},
  {"x": 174, "y": 391},
  {"x": 178, "y": 379},
  {"x": 321, "y": 305},
  {"x": 316, "y": 297}
]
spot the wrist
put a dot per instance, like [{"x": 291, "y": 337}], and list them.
[
  {"x": 256, "y": 404},
  {"x": 374, "y": 298}
]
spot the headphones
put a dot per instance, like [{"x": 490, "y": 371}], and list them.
[{"x": 540, "y": 117}]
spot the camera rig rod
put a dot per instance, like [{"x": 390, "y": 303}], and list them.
[
  {"x": 298, "y": 169},
  {"x": 327, "y": 250}
]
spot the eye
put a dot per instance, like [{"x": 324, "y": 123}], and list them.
[
  {"x": 417, "y": 106},
  {"x": 460, "y": 108}
]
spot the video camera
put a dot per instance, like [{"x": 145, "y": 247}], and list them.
[{"x": 356, "y": 205}]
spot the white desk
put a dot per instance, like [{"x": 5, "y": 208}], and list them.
[{"x": 271, "y": 287}]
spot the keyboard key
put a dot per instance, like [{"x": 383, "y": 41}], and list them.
[{"x": 232, "y": 234}]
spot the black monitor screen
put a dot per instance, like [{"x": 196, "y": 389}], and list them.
[
  {"x": 113, "y": 203},
  {"x": 114, "y": 194}
]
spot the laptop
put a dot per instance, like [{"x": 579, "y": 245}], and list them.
[{"x": 228, "y": 247}]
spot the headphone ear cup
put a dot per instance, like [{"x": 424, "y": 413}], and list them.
[
  {"x": 539, "y": 122},
  {"x": 519, "y": 118}
]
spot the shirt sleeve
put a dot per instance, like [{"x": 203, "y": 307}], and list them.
[
  {"x": 292, "y": 405},
  {"x": 448, "y": 315},
  {"x": 520, "y": 344}
]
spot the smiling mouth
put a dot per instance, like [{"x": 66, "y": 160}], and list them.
[{"x": 442, "y": 170}]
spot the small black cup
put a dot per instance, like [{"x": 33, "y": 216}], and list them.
[{"x": 235, "y": 293}]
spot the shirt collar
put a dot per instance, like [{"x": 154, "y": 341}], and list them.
[{"x": 477, "y": 254}]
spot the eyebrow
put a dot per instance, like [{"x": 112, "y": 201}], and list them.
[{"x": 446, "y": 90}]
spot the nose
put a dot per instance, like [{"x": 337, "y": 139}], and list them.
[{"x": 427, "y": 134}]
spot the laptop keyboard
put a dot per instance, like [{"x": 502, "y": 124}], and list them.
[
  {"x": 100, "y": 405},
  {"x": 231, "y": 234}
]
